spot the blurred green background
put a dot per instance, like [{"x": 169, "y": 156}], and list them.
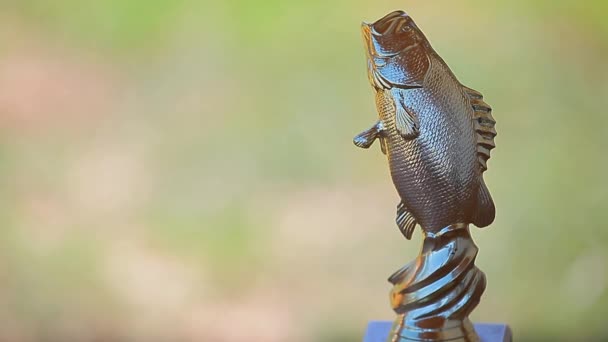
[{"x": 184, "y": 170}]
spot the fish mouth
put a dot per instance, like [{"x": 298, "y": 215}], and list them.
[
  {"x": 386, "y": 24},
  {"x": 396, "y": 22},
  {"x": 390, "y": 23}
]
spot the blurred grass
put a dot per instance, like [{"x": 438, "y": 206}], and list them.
[{"x": 174, "y": 167}]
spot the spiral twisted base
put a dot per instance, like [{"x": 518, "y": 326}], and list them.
[{"x": 434, "y": 294}]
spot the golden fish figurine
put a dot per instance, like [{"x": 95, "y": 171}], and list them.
[{"x": 437, "y": 135}]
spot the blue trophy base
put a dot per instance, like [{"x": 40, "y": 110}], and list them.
[{"x": 377, "y": 331}]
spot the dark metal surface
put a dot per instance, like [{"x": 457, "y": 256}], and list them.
[{"x": 437, "y": 135}]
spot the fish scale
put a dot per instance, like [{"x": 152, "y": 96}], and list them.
[{"x": 435, "y": 172}]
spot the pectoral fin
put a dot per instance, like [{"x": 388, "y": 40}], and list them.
[
  {"x": 406, "y": 121},
  {"x": 366, "y": 139}
]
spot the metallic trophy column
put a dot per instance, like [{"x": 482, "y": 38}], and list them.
[
  {"x": 437, "y": 135},
  {"x": 434, "y": 294}
]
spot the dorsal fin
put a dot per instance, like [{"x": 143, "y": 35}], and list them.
[{"x": 484, "y": 126}]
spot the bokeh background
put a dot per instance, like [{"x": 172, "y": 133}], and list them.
[{"x": 184, "y": 170}]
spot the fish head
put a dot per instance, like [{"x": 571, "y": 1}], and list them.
[{"x": 397, "y": 52}]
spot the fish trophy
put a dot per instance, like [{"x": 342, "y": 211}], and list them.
[{"x": 437, "y": 135}]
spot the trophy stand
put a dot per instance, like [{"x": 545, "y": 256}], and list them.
[
  {"x": 437, "y": 135},
  {"x": 434, "y": 294}
]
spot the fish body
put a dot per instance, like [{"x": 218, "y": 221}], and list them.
[{"x": 437, "y": 134}]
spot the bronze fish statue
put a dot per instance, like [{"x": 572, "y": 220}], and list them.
[
  {"x": 436, "y": 132},
  {"x": 437, "y": 135}
]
